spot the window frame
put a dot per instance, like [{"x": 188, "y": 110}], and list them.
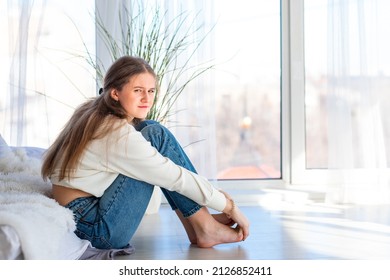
[{"x": 300, "y": 175}]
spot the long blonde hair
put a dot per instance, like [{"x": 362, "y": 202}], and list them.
[{"x": 92, "y": 120}]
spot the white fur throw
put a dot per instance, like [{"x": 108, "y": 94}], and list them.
[{"x": 45, "y": 228}]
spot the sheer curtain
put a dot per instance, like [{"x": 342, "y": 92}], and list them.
[
  {"x": 357, "y": 101},
  {"x": 194, "y": 124},
  {"x": 112, "y": 15},
  {"x": 21, "y": 36},
  {"x": 43, "y": 75}
]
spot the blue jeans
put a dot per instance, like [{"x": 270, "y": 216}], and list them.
[{"x": 111, "y": 220}]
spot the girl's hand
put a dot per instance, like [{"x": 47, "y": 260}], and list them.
[{"x": 233, "y": 212}]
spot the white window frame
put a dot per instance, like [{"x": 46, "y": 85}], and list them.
[{"x": 300, "y": 175}]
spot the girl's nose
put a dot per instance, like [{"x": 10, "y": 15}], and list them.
[{"x": 145, "y": 97}]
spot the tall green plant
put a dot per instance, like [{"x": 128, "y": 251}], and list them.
[{"x": 167, "y": 44}]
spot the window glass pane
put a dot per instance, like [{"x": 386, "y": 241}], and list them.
[{"x": 247, "y": 89}]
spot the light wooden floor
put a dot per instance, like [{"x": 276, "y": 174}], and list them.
[{"x": 279, "y": 231}]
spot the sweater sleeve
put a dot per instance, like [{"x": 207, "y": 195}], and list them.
[{"x": 133, "y": 156}]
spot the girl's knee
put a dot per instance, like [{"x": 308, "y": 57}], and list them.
[
  {"x": 158, "y": 135},
  {"x": 141, "y": 125},
  {"x": 153, "y": 128}
]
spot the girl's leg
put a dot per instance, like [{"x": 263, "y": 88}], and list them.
[
  {"x": 164, "y": 141},
  {"x": 154, "y": 133},
  {"x": 111, "y": 221},
  {"x": 201, "y": 227}
]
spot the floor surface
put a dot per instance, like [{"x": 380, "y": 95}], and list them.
[{"x": 279, "y": 231}]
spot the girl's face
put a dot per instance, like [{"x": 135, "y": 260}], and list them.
[{"x": 137, "y": 96}]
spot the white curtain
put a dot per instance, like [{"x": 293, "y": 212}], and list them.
[
  {"x": 43, "y": 76},
  {"x": 357, "y": 101},
  {"x": 112, "y": 15},
  {"x": 194, "y": 124},
  {"x": 21, "y": 37}
]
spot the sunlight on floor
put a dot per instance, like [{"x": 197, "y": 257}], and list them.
[{"x": 338, "y": 231}]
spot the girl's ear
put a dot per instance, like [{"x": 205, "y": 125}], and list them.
[{"x": 114, "y": 94}]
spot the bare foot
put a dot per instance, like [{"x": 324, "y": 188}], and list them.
[
  {"x": 209, "y": 232},
  {"x": 218, "y": 235},
  {"x": 221, "y": 218}
]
